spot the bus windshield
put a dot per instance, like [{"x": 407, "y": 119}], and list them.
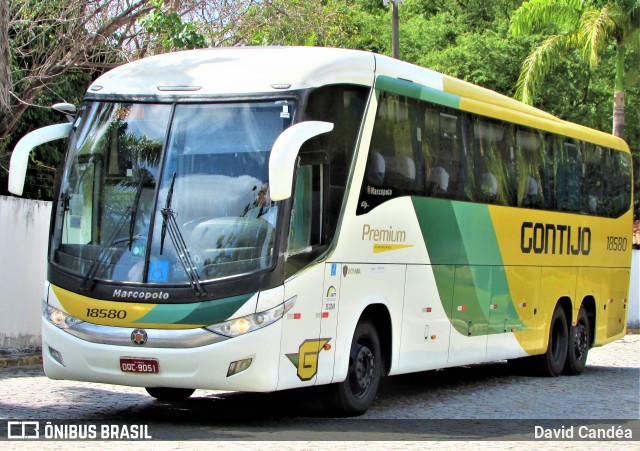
[{"x": 165, "y": 193}]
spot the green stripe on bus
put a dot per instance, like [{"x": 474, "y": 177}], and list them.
[
  {"x": 417, "y": 91},
  {"x": 437, "y": 221},
  {"x": 202, "y": 313},
  {"x": 467, "y": 266}
]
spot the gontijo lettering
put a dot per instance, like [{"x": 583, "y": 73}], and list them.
[{"x": 554, "y": 238}]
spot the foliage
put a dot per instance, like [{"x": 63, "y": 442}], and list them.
[
  {"x": 587, "y": 28},
  {"x": 468, "y": 39},
  {"x": 167, "y": 25}
]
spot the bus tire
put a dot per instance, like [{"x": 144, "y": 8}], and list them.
[
  {"x": 551, "y": 363},
  {"x": 169, "y": 393},
  {"x": 578, "y": 347},
  {"x": 357, "y": 392}
]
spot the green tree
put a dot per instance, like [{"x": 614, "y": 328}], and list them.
[
  {"x": 165, "y": 24},
  {"x": 588, "y": 26},
  {"x": 329, "y": 23},
  {"x": 47, "y": 39}
]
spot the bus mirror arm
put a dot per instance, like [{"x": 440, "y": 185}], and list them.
[
  {"x": 20, "y": 154},
  {"x": 285, "y": 152}
]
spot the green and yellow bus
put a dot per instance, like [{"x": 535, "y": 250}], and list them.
[{"x": 263, "y": 219}]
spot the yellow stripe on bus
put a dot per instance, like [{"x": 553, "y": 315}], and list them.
[{"x": 84, "y": 308}]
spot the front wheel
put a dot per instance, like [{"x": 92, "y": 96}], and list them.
[
  {"x": 170, "y": 394},
  {"x": 579, "y": 341},
  {"x": 357, "y": 392}
]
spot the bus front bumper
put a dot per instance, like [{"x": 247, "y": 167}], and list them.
[{"x": 205, "y": 367}]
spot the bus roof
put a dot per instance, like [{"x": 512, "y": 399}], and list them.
[
  {"x": 237, "y": 71},
  {"x": 259, "y": 70}
]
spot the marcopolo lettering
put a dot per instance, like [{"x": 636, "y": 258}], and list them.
[
  {"x": 379, "y": 192},
  {"x": 143, "y": 295},
  {"x": 559, "y": 239}
]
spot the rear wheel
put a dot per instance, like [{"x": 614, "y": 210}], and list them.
[
  {"x": 579, "y": 341},
  {"x": 170, "y": 394},
  {"x": 357, "y": 392},
  {"x": 551, "y": 363}
]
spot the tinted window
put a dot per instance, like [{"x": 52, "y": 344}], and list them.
[{"x": 421, "y": 148}]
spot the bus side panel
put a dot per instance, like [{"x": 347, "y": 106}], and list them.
[
  {"x": 557, "y": 283},
  {"x": 591, "y": 282},
  {"x": 425, "y": 323},
  {"x": 506, "y": 318},
  {"x": 329, "y": 312},
  {"x": 469, "y": 313},
  {"x": 364, "y": 284},
  {"x": 524, "y": 283},
  {"x": 611, "y": 308},
  {"x": 301, "y": 341},
  {"x": 618, "y": 302}
]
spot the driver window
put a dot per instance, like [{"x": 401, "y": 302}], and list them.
[
  {"x": 300, "y": 228},
  {"x": 307, "y": 228}
]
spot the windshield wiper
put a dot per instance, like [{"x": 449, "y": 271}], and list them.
[
  {"x": 105, "y": 250},
  {"x": 103, "y": 255},
  {"x": 134, "y": 207},
  {"x": 170, "y": 225},
  {"x": 167, "y": 206}
]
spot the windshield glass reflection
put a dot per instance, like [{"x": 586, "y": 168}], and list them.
[{"x": 115, "y": 196}]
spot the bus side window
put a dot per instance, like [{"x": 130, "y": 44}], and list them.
[
  {"x": 530, "y": 161},
  {"x": 308, "y": 223},
  {"x": 343, "y": 106},
  {"x": 448, "y": 154},
  {"x": 494, "y": 162},
  {"x": 392, "y": 140},
  {"x": 568, "y": 175},
  {"x": 391, "y": 169},
  {"x": 617, "y": 186},
  {"x": 592, "y": 187},
  {"x": 443, "y": 177}
]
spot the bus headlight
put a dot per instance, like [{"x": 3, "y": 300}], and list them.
[
  {"x": 249, "y": 323},
  {"x": 59, "y": 318}
]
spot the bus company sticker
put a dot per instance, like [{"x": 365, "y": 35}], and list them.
[
  {"x": 346, "y": 270},
  {"x": 306, "y": 359},
  {"x": 330, "y": 299},
  {"x": 332, "y": 293},
  {"x": 334, "y": 269},
  {"x": 377, "y": 269}
]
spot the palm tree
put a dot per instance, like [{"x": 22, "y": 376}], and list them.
[{"x": 589, "y": 26}]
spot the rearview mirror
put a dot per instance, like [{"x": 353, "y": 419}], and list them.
[
  {"x": 20, "y": 155},
  {"x": 285, "y": 152}
]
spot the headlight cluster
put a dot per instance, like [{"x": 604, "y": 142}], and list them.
[
  {"x": 249, "y": 323},
  {"x": 59, "y": 318}
]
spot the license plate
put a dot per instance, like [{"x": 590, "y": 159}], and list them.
[{"x": 139, "y": 365}]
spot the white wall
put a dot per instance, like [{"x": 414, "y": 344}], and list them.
[
  {"x": 634, "y": 291},
  {"x": 24, "y": 229}
]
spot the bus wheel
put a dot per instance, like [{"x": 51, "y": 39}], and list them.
[
  {"x": 551, "y": 363},
  {"x": 579, "y": 340},
  {"x": 356, "y": 393},
  {"x": 170, "y": 394}
]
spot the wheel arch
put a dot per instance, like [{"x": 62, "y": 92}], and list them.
[
  {"x": 589, "y": 304},
  {"x": 566, "y": 305},
  {"x": 380, "y": 316}
]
